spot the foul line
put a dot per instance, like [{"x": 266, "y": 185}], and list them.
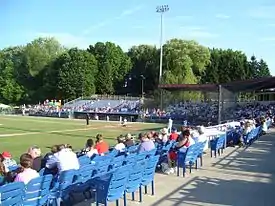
[{"x": 31, "y": 133}]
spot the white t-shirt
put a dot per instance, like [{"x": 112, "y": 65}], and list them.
[
  {"x": 91, "y": 152},
  {"x": 64, "y": 160},
  {"x": 120, "y": 147}
]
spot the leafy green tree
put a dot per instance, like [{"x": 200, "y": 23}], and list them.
[
  {"x": 104, "y": 79},
  {"x": 145, "y": 59},
  {"x": 226, "y": 66},
  {"x": 75, "y": 75},
  {"x": 119, "y": 62},
  {"x": 258, "y": 68},
  {"x": 263, "y": 69},
  {"x": 10, "y": 90}
]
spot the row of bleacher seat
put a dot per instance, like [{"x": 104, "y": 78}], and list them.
[{"x": 111, "y": 176}]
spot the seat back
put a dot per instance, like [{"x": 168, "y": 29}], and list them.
[
  {"x": 38, "y": 190},
  {"x": 65, "y": 179},
  {"x": 84, "y": 160},
  {"x": 117, "y": 162},
  {"x": 102, "y": 164},
  {"x": 86, "y": 173},
  {"x": 150, "y": 168},
  {"x": 12, "y": 194},
  {"x": 118, "y": 182},
  {"x": 130, "y": 158},
  {"x": 135, "y": 176},
  {"x": 151, "y": 152},
  {"x": 141, "y": 156},
  {"x": 132, "y": 149}
]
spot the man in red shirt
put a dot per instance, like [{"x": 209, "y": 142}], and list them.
[{"x": 101, "y": 145}]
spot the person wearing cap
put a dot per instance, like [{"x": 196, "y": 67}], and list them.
[
  {"x": 8, "y": 161},
  {"x": 101, "y": 146},
  {"x": 120, "y": 146},
  {"x": 146, "y": 144},
  {"x": 163, "y": 136}
]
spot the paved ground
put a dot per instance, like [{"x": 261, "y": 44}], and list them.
[{"x": 240, "y": 177}]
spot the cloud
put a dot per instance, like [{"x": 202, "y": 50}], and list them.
[
  {"x": 262, "y": 12},
  {"x": 123, "y": 14},
  {"x": 66, "y": 39},
  {"x": 222, "y": 16}
]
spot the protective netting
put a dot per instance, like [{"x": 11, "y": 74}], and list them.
[
  {"x": 227, "y": 104},
  {"x": 197, "y": 107}
]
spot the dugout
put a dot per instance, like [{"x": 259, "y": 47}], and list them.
[{"x": 225, "y": 97}]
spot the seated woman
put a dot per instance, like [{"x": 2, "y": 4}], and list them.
[
  {"x": 101, "y": 146},
  {"x": 25, "y": 173},
  {"x": 146, "y": 143},
  {"x": 3, "y": 174}
]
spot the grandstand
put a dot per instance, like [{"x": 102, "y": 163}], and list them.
[{"x": 222, "y": 99}]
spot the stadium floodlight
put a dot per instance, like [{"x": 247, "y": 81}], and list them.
[{"x": 161, "y": 9}]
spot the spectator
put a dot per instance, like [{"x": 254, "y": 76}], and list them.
[
  {"x": 65, "y": 159},
  {"x": 25, "y": 172},
  {"x": 101, "y": 146},
  {"x": 146, "y": 143},
  {"x": 120, "y": 146},
  {"x": 3, "y": 174},
  {"x": 8, "y": 161},
  {"x": 174, "y": 135},
  {"x": 89, "y": 151},
  {"x": 35, "y": 152},
  {"x": 163, "y": 135},
  {"x": 184, "y": 141},
  {"x": 129, "y": 141}
]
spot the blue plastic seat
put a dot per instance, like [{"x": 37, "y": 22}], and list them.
[
  {"x": 12, "y": 194},
  {"x": 37, "y": 191},
  {"x": 130, "y": 158},
  {"x": 132, "y": 149},
  {"x": 84, "y": 160},
  {"x": 102, "y": 164},
  {"x": 187, "y": 158},
  {"x": 135, "y": 179},
  {"x": 82, "y": 181},
  {"x": 61, "y": 187},
  {"x": 111, "y": 188},
  {"x": 117, "y": 162},
  {"x": 217, "y": 145},
  {"x": 148, "y": 175}
]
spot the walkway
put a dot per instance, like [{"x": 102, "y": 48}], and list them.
[{"x": 240, "y": 177}]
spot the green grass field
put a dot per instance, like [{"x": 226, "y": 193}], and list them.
[{"x": 18, "y": 133}]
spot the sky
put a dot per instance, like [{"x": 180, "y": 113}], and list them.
[{"x": 246, "y": 25}]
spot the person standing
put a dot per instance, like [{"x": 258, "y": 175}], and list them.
[
  {"x": 87, "y": 119},
  {"x": 170, "y": 124}
]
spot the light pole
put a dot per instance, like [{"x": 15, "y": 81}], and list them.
[
  {"x": 142, "y": 85},
  {"x": 161, "y": 9}
]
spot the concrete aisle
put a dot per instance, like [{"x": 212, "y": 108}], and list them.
[{"x": 239, "y": 177}]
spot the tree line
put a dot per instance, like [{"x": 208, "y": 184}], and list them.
[{"x": 44, "y": 69}]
